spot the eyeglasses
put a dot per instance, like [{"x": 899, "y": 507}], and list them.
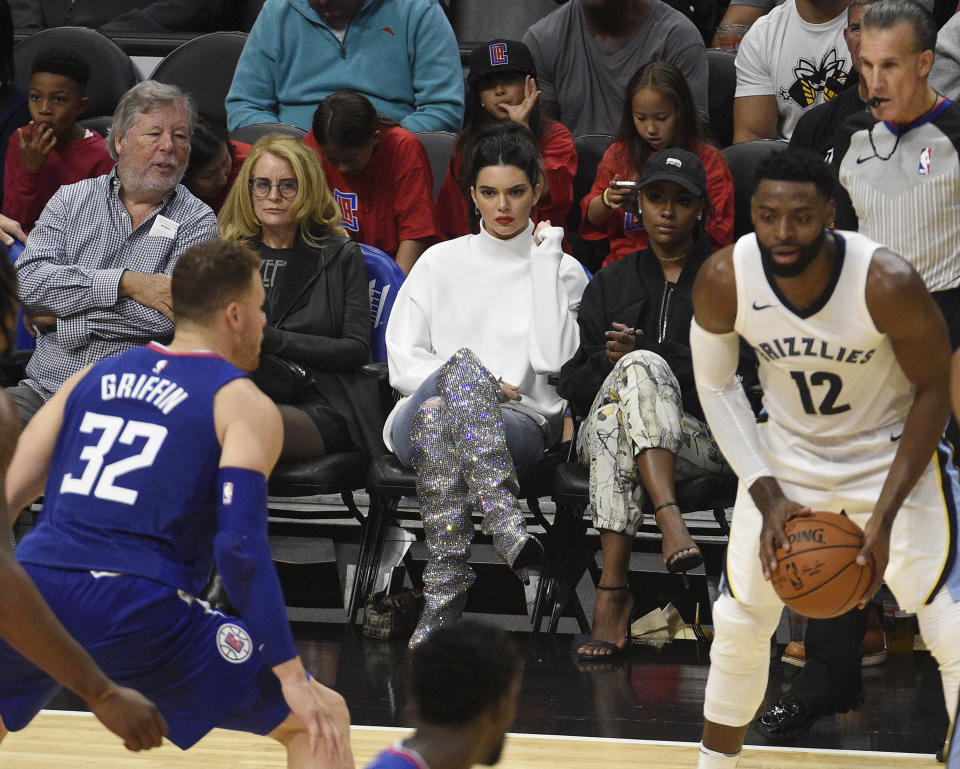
[{"x": 260, "y": 187}]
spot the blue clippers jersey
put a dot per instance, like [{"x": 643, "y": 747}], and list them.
[{"x": 132, "y": 482}]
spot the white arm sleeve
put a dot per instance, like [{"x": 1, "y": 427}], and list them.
[{"x": 724, "y": 402}]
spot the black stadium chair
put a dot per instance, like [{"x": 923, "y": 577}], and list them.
[
  {"x": 250, "y": 133},
  {"x": 722, "y": 85},
  {"x": 566, "y": 557},
  {"x": 112, "y": 73},
  {"x": 476, "y": 21},
  {"x": 251, "y": 13},
  {"x": 203, "y": 67},
  {"x": 100, "y": 124},
  {"x": 590, "y": 149},
  {"x": 742, "y": 160},
  {"x": 439, "y": 147}
]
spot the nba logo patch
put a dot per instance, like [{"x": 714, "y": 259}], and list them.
[
  {"x": 498, "y": 54},
  {"x": 228, "y": 492},
  {"x": 926, "y": 156},
  {"x": 348, "y": 209},
  {"x": 233, "y": 643},
  {"x": 161, "y": 365}
]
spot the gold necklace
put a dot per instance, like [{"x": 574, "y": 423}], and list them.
[{"x": 662, "y": 259}]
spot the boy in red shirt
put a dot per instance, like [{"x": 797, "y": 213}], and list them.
[{"x": 53, "y": 149}]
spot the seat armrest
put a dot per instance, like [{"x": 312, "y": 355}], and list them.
[
  {"x": 379, "y": 373},
  {"x": 376, "y": 370}
]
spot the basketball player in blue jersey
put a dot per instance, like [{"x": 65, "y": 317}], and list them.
[
  {"x": 464, "y": 682},
  {"x": 26, "y": 621},
  {"x": 854, "y": 363},
  {"x": 151, "y": 464}
]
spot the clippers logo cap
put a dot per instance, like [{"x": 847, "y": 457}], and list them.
[{"x": 499, "y": 58}]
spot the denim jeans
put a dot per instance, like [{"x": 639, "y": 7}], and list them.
[{"x": 525, "y": 439}]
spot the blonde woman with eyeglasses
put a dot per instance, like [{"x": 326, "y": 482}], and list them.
[{"x": 318, "y": 313}]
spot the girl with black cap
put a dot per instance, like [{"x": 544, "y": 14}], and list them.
[
  {"x": 503, "y": 87},
  {"x": 631, "y": 381}
]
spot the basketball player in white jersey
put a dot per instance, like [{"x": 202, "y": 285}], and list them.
[{"x": 854, "y": 364}]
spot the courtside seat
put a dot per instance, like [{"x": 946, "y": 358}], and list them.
[
  {"x": 566, "y": 557},
  {"x": 328, "y": 474}
]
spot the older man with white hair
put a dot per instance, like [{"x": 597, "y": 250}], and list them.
[{"x": 95, "y": 275}]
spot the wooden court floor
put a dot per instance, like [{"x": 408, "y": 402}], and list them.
[{"x": 58, "y": 740}]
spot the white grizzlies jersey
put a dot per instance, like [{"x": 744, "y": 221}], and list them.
[{"x": 826, "y": 371}]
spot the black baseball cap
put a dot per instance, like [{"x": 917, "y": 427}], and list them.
[
  {"x": 676, "y": 165},
  {"x": 509, "y": 56}
]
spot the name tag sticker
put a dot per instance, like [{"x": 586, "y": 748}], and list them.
[{"x": 164, "y": 228}]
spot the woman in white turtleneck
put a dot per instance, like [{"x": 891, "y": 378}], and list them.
[{"x": 477, "y": 327}]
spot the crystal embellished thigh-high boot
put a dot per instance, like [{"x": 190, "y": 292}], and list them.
[
  {"x": 472, "y": 397},
  {"x": 447, "y": 526}
]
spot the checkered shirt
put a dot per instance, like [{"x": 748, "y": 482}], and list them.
[{"x": 72, "y": 265}]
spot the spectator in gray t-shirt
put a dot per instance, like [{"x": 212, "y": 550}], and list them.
[{"x": 587, "y": 50}]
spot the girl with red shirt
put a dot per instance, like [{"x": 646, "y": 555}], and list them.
[
  {"x": 379, "y": 174},
  {"x": 503, "y": 87},
  {"x": 658, "y": 113}
]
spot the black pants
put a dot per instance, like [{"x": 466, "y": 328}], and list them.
[
  {"x": 831, "y": 678},
  {"x": 949, "y": 303}
]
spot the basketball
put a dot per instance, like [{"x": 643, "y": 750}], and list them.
[{"x": 819, "y": 576}]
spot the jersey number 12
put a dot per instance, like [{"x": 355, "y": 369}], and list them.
[
  {"x": 828, "y": 405},
  {"x": 96, "y": 472}
]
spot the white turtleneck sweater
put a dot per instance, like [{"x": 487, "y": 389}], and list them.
[{"x": 513, "y": 303}]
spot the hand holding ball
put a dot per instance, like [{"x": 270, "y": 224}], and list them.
[{"x": 819, "y": 576}]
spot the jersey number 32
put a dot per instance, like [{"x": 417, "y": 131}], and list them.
[{"x": 100, "y": 478}]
